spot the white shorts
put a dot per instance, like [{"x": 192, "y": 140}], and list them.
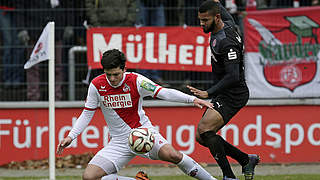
[{"x": 119, "y": 152}]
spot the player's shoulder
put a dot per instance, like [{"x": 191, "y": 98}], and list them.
[
  {"x": 232, "y": 35},
  {"x": 228, "y": 38},
  {"x": 100, "y": 80},
  {"x": 131, "y": 76},
  {"x": 137, "y": 76}
]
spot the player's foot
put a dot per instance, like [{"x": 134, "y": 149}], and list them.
[
  {"x": 248, "y": 170},
  {"x": 142, "y": 176},
  {"x": 226, "y": 178}
]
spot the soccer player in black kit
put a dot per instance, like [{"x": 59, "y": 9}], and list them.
[{"x": 229, "y": 92}]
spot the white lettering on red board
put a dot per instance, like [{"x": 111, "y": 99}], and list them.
[
  {"x": 136, "y": 48},
  {"x": 20, "y": 133}
]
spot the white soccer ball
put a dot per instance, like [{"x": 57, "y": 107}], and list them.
[{"x": 141, "y": 140}]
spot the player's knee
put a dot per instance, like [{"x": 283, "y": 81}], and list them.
[
  {"x": 88, "y": 176},
  {"x": 175, "y": 156},
  {"x": 199, "y": 140},
  {"x": 205, "y": 127},
  {"x": 208, "y": 137},
  {"x": 169, "y": 154}
]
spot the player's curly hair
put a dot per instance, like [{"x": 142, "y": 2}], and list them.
[
  {"x": 113, "y": 59},
  {"x": 209, "y": 6}
]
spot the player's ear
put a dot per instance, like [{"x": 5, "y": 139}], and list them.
[{"x": 124, "y": 69}]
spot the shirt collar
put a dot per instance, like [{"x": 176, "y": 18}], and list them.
[{"x": 121, "y": 82}]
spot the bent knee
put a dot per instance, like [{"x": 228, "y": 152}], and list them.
[
  {"x": 201, "y": 129},
  {"x": 213, "y": 125},
  {"x": 171, "y": 155},
  {"x": 93, "y": 172},
  {"x": 200, "y": 141},
  {"x": 175, "y": 157},
  {"x": 88, "y": 176}
]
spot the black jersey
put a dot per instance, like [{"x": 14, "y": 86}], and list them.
[{"x": 227, "y": 60}]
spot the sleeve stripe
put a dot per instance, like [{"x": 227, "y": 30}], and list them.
[
  {"x": 90, "y": 109},
  {"x": 155, "y": 95}
]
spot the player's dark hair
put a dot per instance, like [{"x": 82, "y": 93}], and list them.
[
  {"x": 113, "y": 59},
  {"x": 209, "y": 6}
]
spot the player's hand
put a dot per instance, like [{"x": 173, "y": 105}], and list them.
[
  {"x": 63, "y": 144},
  {"x": 198, "y": 92},
  {"x": 200, "y": 103}
]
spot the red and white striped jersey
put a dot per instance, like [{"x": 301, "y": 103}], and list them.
[{"x": 121, "y": 105}]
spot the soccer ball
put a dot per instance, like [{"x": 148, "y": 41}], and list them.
[{"x": 141, "y": 140}]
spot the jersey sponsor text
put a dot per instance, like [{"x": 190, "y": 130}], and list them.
[{"x": 117, "y": 101}]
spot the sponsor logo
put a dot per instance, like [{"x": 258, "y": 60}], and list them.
[
  {"x": 140, "y": 48},
  {"x": 117, "y": 101},
  {"x": 148, "y": 86},
  {"x": 219, "y": 105},
  {"x": 238, "y": 38},
  {"x": 193, "y": 173},
  {"x": 103, "y": 88},
  {"x": 232, "y": 55}
]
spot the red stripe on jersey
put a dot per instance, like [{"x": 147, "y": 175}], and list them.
[
  {"x": 155, "y": 95},
  {"x": 90, "y": 109},
  {"x": 129, "y": 115}
]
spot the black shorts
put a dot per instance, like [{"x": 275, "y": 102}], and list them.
[{"x": 228, "y": 104}]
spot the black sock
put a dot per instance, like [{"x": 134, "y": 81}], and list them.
[
  {"x": 216, "y": 145},
  {"x": 236, "y": 153}
]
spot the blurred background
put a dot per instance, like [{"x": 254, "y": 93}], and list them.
[
  {"x": 21, "y": 23},
  {"x": 281, "y": 121}
]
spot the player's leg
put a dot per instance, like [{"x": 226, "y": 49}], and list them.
[
  {"x": 93, "y": 172},
  {"x": 230, "y": 150},
  {"x": 108, "y": 161},
  {"x": 209, "y": 124},
  {"x": 167, "y": 153},
  {"x": 225, "y": 109},
  {"x": 100, "y": 167}
]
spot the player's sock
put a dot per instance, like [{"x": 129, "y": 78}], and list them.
[
  {"x": 236, "y": 153},
  {"x": 216, "y": 145},
  {"x": 116, "y": 176},
  {"x": 193, "y": 169}
]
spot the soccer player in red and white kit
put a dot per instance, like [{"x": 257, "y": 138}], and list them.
[{"x": 120, "y": 95}]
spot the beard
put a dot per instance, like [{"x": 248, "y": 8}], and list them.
[{"x": 210, "y": 28}]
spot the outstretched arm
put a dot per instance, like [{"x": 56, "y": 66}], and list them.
[
  {"x": 178, "y": 96},
  {"x": 147, "y": 87},
  {"x": 83, "y": 120},
  {"x": 81, "y": 123}
]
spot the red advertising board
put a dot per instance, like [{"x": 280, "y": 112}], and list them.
[
  {"x": 166, "y": 48},
  {"x": 282, "y": 50},
  {"x": 282, "y": 134}
]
